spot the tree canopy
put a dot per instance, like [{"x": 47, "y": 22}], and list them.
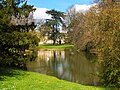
[
  {"x": 55, "y": 22},
  {"x": 15, "y": 37},
  {"x": 99, "y": 29}
]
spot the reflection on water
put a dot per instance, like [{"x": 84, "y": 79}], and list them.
[{"x": 75, "y": 67}]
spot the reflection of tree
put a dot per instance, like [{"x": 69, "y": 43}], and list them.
[
  {"x": 54, "y": 61},
  {"x": 81, "y": 68},
  {"x": 59, "y": 64},
  {"x": 33, "y": 56},
  {"x": 91, "y": 56},
  {"x": 66, "y": 65}
]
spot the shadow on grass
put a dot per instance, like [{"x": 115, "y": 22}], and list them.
[{"x": 7, "y": 73}]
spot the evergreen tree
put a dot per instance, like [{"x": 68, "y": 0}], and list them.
[
  {"x": 14, "y": 34},
  {"x": 54, "y": 23}
]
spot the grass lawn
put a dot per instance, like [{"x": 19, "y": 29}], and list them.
[
  {"x": 11, "y": 79},
  {"x": 50, "y": 46}
]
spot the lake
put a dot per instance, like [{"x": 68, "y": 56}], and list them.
[{"x": 67, "y": 65}]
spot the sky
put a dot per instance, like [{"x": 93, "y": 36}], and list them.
[{"x": 60, "y": 5}]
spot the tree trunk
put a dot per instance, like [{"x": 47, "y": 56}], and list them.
[
  {"x": 54, "y": 42},
  {"x": 60, "y": 41}
]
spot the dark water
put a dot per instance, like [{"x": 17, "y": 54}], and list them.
[{"x": 67, "y": 65}]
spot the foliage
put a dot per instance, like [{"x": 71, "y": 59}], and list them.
[
  {"x": 71, "y": 18},
  {"x": 15, "y": 37},
  {"x": 16, "y": 43},
  {"x": 44, "y": 31},
  {"x": 54, "y": 23},
  {"x": 80, "y": 30},
  {"x": 110, "y": 42},
  {"x": 99, "y": 28},
  {"x": 16, "y": 80}
]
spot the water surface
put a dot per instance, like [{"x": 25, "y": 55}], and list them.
[{"x": 66, "y": 65}]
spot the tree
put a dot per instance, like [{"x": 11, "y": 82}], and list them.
[
  {"x": 79, "y": 28},
  {"x": 109, "y": 29},
  {"x": 101, "y": 25},
  {"x": 71, "y": 16},
  {"x": 54, "y": 23},
  {"x": 44, "y": 32},
  {"x": 14, "y": 35}
]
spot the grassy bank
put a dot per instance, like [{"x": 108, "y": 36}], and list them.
[
  {"x": 22, "y": 80},
  {"x": 50, "y": 46}
]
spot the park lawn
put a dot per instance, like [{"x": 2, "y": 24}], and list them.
[
  {"x": 11, "y": 79},
  {"x": 50, "y": 46}
]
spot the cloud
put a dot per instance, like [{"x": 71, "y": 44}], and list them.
[
  {"x": 40, "y": 13},
  {"x": 82, "y": 8}
]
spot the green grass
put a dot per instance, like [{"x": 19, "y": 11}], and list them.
[
  {"x": 50, "y": 46},
  {"x": 11, "y": 79}
]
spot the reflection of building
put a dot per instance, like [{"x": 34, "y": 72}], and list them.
[{"x": 50, "y": 54}]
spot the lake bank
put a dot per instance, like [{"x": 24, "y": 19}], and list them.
[
  {"x": 11, "y": 79},
  {"x": 50, "y": 46}
]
